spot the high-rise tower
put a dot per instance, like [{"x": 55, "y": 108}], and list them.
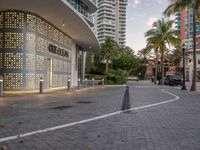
[
  {"x": 184, "y": 23},
  {"x": 110, "y": 20}
]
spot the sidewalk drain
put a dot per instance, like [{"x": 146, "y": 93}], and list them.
[
  {"x": 84, "y": 102},
  {"x": 61, "y": 107}
]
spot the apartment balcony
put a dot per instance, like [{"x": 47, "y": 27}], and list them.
[
  {"x": 85, "y": 8},
  {"x": 91, "y": 4}
]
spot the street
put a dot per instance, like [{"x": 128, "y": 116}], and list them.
[{"x": 92, "y": 120}]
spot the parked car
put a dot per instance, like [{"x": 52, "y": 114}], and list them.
[{"x": 173, "y": 80}]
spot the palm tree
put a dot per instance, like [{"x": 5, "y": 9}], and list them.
[
  {"x": 108, "y": 51},
  {"x": 151, "y": 44},
  {"x": 165, "y": 36},
  {"x": 176, "y": 6},
  {"x": 144, "y": 53},
  {"x": 175, "y": 56}
]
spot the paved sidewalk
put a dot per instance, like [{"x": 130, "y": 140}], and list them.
[
  {"x": 188, "y": 85},
  {"x": 170, "y": 126}
]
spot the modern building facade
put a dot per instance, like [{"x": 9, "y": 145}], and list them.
[
  {"x": 110, "y": 20},
  {"x": 45, "y": 39},
  {"x": 184, "y": 23}
]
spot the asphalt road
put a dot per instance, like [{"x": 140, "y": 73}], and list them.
[{"x": 92, "y": 119}]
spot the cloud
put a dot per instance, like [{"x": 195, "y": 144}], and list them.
[
  {"x": 135, "y": 2},
  {"x": 132, "y": 18},
  {"x": 150, "y": 21},
  {"x": 160, "y": 1}
]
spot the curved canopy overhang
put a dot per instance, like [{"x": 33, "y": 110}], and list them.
[{"x": 61, "y": 15}]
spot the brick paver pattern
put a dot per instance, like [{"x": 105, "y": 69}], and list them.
[{"x": 171, "y": 126}]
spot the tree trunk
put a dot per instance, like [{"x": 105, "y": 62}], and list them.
[
  {"x": 162, "y": 68},
  {"x": 107, "y": 66},
  {"x": 193, "y": 87},
  {"x": 156, "y": 69}
]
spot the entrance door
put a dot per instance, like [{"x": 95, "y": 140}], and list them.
[{"x": 50, "y": 72}]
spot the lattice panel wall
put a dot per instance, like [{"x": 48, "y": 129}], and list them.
[
  {"x": 69, "y": 68},
  {"x": 13, "y": 80},
  {"x": 30, "y": 42},
  {"x": 39, "y": 62},
  {"x": 65, "y": 67},
  {"x": 13, "y": 60},
  {"x": 61, "y": 66},
  {"x": 41, "y": 26},
  {"x": 14, "y": 20},
  {"x": 30, "y": 81},
  {"x": 1, "y": 20},
  {"x": 30, "y": 61},
  {"x": 50, "y": 30},
  {"x": 1, "y": 59},
  {"x": 1, "y": 40},
  {"x": 13, "y": 40},
  {"x": 55, "y": 80},
  {"x": 60, "y": 80},
  {"x": 41, "y": 44},
  {"x": 61, "y": 38},
  {"x": 31, "y": 22},
  {"x": 31, "y": 34},
  {"x": 56, "y": 33},
  {"x": 65, "y": 77},
  {"x": 55, "y": 65}
]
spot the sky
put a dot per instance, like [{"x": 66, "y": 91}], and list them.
[{"x": 140, "y": 16}]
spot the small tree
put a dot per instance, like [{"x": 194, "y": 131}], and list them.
[{"x": 126, "y": 61}]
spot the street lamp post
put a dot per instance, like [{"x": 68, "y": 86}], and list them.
[{"x": 183, "y": 85}]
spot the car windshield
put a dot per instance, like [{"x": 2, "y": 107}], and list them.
[{"x": 174, "y": 77}]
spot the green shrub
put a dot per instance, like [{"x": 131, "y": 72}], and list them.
[{"x": 115, "y": 77}]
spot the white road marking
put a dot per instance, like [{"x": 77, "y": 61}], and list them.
[{"x": 88, "y": 120}]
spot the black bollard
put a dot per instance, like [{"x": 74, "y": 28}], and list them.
[
  {"x": 69, "y": 84},
  {"x": 126, "y": 101},
  {"x": 1, "y": 86},
  {"x": 85, "y": 82},
  {"x": 93, "y": 82},
  {"x": 79, "y": 81},
  {"x": 102, "y": 82},
  {"x": 41, "y": 85}
]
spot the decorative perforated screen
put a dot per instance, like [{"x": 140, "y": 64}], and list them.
[{"x": 24, "y": 51}]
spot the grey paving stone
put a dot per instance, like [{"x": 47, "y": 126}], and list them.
[{"x": 172, "y": 126}]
